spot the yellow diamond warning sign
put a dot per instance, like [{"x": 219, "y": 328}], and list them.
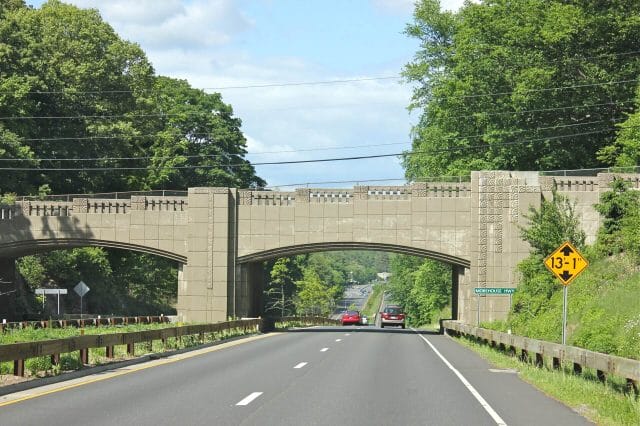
[{"x": 566, "y": 263}]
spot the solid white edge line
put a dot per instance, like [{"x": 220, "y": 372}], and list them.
[
  {"x": 324, "y": 349},
  {"x": 249, "y": 398},
  {"x": 466, "y": 383},
  {"x": 302, "y": 364}
]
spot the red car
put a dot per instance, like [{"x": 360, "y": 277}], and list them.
[
  {"x": 392, "y": 315},
  {"x": 350, "y": 318}
]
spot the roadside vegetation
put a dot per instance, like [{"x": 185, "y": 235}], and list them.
[
  {"x": 43, "y": 366},
  {"x": 604, "y": 404},
  {"x": 373, "y": 302}
]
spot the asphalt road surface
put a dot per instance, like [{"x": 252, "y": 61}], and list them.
[
  {"x": 320, "y": 376},
  {"x": 355, "y": 295}
]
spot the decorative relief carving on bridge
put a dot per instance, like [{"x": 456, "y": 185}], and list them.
[
  {"x": 210, "y": 237},
  {"x": 80, "y": 205},
  {"x": 302, "y": 195},
  {"x": 246, "y": 198},
  {"x": 330, "y": 196},
  {"x": 419, "y": 189},
  {"x": 361, "y": 192},
  {"x": 138, "y": 202}
]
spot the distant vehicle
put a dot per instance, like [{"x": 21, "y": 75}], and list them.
[
  {"x": 392, "y": 315},
  {"x": 350, "y": 318}
]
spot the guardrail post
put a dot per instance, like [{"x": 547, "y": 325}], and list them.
[
  {"x": 55, "y": 359},
  {"x": 539, "y": 360},
  {"x": 130, "y": 349},
  {"x": 18, "y": 367},
  {"x": 84, "y": 356},
  {"x": 556, "y": 363},
  {"x": 577, "y": 368},
  {"x": 109, "y": 351}
]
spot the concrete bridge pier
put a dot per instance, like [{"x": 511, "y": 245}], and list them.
[
  {"x": 8, "y": 287},
  {"x": 248, "y": 291}
]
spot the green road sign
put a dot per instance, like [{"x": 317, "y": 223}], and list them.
[{"x": 494, "y": 290}]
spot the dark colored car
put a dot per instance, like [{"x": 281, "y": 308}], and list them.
[
  {"x": 350, "y": 318},
  {"x": 392, "y": 315}
]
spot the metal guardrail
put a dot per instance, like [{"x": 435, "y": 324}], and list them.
[
  {"x": 537, "y": 350},
  {"x": 84, "y": 322},
  {"x": 19, "y": 352}
]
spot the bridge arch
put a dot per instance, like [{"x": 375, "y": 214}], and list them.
[
  {"x": 29, "y": 247},
  {"x": 341, "y": 246}
]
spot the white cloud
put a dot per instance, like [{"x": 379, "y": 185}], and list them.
[
  {"x": 394, "y": 6},
  {"x": 197, "y": 40},
  {"x": 173, "y": 23}
]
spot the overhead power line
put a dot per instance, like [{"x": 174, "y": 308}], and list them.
[
  {"x": 213, "y": 156},
  {"x": 303, "y": 83},
  {"x": 324, "y": 160}
]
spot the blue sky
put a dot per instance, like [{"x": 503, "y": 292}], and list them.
[{"x": 218, "y": 45}]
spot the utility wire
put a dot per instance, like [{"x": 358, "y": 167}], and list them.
[
  {"x": 76, "y": 117},
  {"x": 247, "y": 86},
  {"x": 324, "y": 160},
  {"x": 472, "y": 115},
  {"x": 303, "y": 83},
  {"x": 213, "y": 156}
]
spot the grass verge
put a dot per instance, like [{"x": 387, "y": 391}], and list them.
[
  {"x": 43, "y": 366},
  {"x": 373, "y": 301},
  {"x": 604, "y": 404}
]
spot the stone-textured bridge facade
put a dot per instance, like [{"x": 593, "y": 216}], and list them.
[{"x": 221, "y": 236}]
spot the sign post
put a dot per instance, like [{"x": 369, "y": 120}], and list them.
[
  {"x": 566, "y": 263},
  {"x": 81, "y": 289},
  {"x": 57, "y": 291}
]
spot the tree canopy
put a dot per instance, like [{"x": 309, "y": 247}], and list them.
[
  {"x": 83, "y": 111},
  {"x": 522, "y": 85}
]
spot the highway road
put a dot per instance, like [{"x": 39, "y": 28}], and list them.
[
  {"x": 320, "y": 376},
  {"x": 355, "y": 295}
]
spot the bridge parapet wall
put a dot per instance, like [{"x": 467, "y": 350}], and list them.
[{"x": 96, "y": 206}]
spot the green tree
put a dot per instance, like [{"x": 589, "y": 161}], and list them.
[
  {"x": 520, "y": 85},
  {"x": 315, "y": 297},
  {"x": 280, "y": 290},
  {"x": 71, "y": 89},
  {"x": 553, "y": 223},
  {"x": 619, "y": 208}
]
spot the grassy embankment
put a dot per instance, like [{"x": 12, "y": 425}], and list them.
[
  {"x": 372, "y": 304},
  {"x": 604, "y": 316},
  {"x": 605, "y": 404}
]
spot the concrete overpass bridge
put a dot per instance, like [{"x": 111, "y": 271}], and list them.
[{"x": 221, "y": 236}]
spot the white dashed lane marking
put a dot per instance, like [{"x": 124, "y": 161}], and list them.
[
  {"x": 302, "y": 364},
  {"x": 249, "y": 398}
]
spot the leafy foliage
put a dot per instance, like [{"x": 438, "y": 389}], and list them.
[
  {"x": 71, "y": 89},
  {"x": 555, "y": 222},
  {"x": 315, "y": 297},
  {"x": 620, "y": 209},
  {"x": 422, "y": 287},
  {"x": 522, "y": 85}
]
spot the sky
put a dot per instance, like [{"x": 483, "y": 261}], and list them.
[{"x": 294, "y": 48}]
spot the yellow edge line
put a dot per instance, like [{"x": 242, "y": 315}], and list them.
[{"x": 144, "y": 366}]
